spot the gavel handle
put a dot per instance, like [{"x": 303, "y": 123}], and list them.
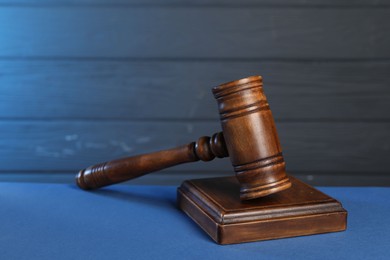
[{"x": 124, "y": 169}]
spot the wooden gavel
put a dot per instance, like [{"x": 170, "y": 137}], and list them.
[{"x": 249, "y": 138}]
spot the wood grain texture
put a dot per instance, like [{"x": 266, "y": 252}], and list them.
[
  {"x": 131, "y": 167},
  {"x": 241, "y": 32},
  {"x": 296, "y": 90},
  {"x": 69, "y": 146},
  {"x": 249, "y": 138},
  {"x": 301, "y": 210}
]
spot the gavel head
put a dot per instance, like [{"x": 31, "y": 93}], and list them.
[{"x": 251, "y": 139}]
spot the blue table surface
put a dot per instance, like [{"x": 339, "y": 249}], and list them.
[{"x": 60, "y": 221}]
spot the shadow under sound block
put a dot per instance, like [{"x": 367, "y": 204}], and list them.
[{"x": 215, "y": 205}]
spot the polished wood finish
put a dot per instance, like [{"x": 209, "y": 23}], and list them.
[
  {"x": 253, "y": 143},
  {"x": 120, "y": 170},
  {"x": 215, "y": 206},
  {"x": 249, "y": 137},
  {"x": 257, "y": 204}
]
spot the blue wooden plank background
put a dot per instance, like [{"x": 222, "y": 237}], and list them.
[{"x": 88, "y": 81}]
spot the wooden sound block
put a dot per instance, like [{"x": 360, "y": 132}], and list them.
[{"x": 215, "y": 205}]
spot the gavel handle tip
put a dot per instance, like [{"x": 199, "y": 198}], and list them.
[{"x": 80, "y": 180}]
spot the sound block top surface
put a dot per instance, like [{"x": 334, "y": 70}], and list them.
[{"x": 220, "y": 199}]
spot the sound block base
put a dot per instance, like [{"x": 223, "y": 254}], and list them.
[{"x": 215, "y": 205}]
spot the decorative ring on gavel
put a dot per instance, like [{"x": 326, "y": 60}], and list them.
[{"x": 249, "y": 138}]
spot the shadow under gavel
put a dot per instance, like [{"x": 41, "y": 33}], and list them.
[{"x": 249, "y": 138}]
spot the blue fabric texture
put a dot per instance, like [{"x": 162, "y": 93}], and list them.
[{"x": 60, "y": 221}]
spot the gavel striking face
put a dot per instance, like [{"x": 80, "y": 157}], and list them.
[{"x": 249, "y": 138}]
